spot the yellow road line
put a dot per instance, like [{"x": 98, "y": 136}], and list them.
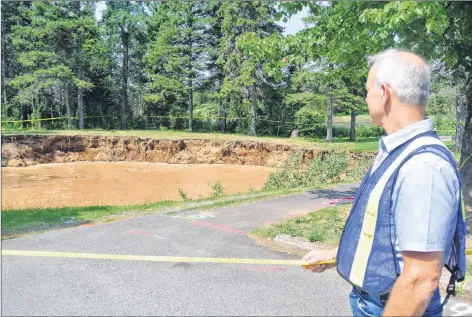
[{"x": 154, "y": 258}]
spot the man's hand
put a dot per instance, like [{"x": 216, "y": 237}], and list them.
[
  {"x": 412, "y": 291},
  {"x": 320, "y": 255}
]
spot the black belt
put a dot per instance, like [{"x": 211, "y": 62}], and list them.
[{"x": 383, "y": 298}]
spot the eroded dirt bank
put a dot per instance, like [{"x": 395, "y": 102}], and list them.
[{"x": 28, "y": 150}]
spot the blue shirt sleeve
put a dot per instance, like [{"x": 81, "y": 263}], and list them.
[{"x": 425, "y": 203}]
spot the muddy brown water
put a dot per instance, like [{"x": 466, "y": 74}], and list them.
[{"x": 120, "y": 183}]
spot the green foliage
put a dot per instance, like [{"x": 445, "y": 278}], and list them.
[
  {"x": 330, "y": 168},
  {"x": 149, "y": 61},
  {"x": 366, "y": 131},
  {"x": 183, "y": 194},
  {"x": 217, "y": 188},
  {"x": 308, "y": 119}
]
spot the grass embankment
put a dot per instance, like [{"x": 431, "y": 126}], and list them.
[{"x": 324, "y": 225}]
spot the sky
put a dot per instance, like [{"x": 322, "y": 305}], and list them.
[{"x": 293, "y": 25}]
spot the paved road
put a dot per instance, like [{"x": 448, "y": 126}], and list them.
[{"x": 62, "y": 286}]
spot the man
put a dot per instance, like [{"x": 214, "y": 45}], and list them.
[{"x": 406, "y": 221}]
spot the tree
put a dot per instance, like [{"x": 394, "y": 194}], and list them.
[
  {"x": 317, "y": 90},
  {"x": 437, "y": 30},
  {"x": 244, "y": 77},
  {"x": 124, "y": 33},
  {"x": 11, "y": 16},
  {"x": 50, "y": 52},
  {"x": 176, "y": 53}
]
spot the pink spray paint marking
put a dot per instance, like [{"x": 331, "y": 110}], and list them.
[
  {"x": 341, "y": 201},
  {"x": 218, "y": 226},
  {"x": 264, "y": 269},
  {"x": 144, "y": 233}
]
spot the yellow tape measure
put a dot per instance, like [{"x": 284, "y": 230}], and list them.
[
  {"x": 152, "y": 258},
  {"x": 306, "y": 266}
]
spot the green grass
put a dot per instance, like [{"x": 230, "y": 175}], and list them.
[
  {"x": 324, "y": 225},
  {"x": 23, "y": 221},
  {"x": 368, "y": 144},
  {"x": 347, "y": 119},
  {"x": 451, "y": 146}
]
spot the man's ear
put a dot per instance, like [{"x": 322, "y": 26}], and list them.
[{"x": 385, "y": 97}]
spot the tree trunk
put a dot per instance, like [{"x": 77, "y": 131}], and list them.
[
  {"x": 223, "y": 121},
  {"x": 80, "y": 89},
  {"x": 24, "y": 115},
  {"x": 329, "y": 122},
  {"x": 253, "y": 98},
  {"x": 4, "y": 81},
  {"x": 81, "y": 107},
  {"x": 190, "y": 106},
  {"x": 466, "y": 156},
  {"x": 190, "y": 71},
  {"x": 352, "y": 131},
  {"x": 124, "y": 79},
  {"x": 461, "y": 112},
  {"x": 68, "y": 112}
]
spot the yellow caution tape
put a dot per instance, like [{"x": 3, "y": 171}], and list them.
[
  {"x": 463, "y": 163},
  {"x": 160, "y": 117},
  {"x": 47, "y": 119}
]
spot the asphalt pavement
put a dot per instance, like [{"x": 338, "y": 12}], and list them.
[{"x": 56, "y": 286}]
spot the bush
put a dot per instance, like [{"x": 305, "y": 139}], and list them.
[
  {"x": 362, "y": 131},
  {"x": 183, "y": 194},
  {"x": 309, "y": 121},
  {"x": 331, "y": 168},
  {"x": 366, "y": 131},
  {"x": 217, "y": 188}
]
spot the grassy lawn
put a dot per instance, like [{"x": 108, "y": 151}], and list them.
[
  {"x": 22, "y": 221},
  {"x": 364, "y": 118},
  {"x": 368, "y": 144},
  {"x": 451, "y": 146},
  {"x": 324, "y": 225}
]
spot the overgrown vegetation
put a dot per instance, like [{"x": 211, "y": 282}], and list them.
[
  {"x": 324, "y": 225},
  {"x": 333, "y": 167}
]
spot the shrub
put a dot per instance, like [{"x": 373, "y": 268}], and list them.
[
  {"x": 366, "y": 131},
  {"x": 217, "y": 188},
  {"x": 183, "y": 194},
  {"x": 331, "y": 168}
]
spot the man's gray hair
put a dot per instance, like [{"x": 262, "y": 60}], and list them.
[{"x": 409, "y": 81}]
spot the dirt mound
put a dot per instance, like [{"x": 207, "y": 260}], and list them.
[{"x": 27, "y": 150}]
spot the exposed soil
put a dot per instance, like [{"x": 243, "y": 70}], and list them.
[
  {"x": 27, "y": 150},
  {"x": 120, "y": 183},
  {"x": 32, "y": 178}
]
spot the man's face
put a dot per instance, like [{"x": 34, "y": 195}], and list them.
[{"x": 374, "y": 100}]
